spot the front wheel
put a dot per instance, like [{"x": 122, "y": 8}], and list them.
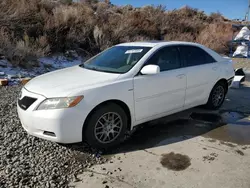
[
  {"x": 217, "y": 96},
  {"x": 106, "y": 127}
]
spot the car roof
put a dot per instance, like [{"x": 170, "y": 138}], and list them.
[{"x": 158, "y": 43}]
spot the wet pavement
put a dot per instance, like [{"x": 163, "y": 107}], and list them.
[{"x": 237, "y": 132}]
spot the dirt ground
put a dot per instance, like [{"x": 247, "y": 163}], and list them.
[
  {"x": 197, "y": 148},
  {"x": 241, "y": 63}
]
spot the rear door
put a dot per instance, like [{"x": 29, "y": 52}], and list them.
[
  {"x": 163, "y": 92},
  {"x": 202, "y": 73}
]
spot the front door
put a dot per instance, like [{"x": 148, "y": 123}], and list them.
[{"x": 163, "y": 92}]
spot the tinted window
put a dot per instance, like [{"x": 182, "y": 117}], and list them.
[
  {"x": 195, "y": 56},
  {"x": 166, "y": 58}
]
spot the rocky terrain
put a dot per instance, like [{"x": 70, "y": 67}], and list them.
[{"x": 27, "y": 161}]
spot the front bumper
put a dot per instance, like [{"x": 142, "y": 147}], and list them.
[{"x": 59, "y": 125}]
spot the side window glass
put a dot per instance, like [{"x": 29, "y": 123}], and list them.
[
  {"x": 210, "y": 59},
  {"x": 195, "y": 56},
  {"x": 166, "y": 58}
]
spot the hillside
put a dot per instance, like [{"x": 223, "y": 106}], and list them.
[{"x": 36, "y": 28}]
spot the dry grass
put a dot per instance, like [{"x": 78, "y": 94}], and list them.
[
  {"x": 38, "y": 27},
  {"x": 216, "y": 36}
]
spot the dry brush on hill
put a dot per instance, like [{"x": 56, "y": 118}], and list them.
[{"x": 34, "y": 28}]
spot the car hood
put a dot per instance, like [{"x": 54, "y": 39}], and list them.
[{"x": 62, "y": 82}]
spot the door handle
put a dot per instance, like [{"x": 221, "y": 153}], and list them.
[
  {"x": 215, "y": 68},
  {"x": 180, "y": 76}
]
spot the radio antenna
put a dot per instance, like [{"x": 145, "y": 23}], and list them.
[{"x": 248, "y": 10}]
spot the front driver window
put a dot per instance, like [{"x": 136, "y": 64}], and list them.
[{"x": 166, "y": 58}]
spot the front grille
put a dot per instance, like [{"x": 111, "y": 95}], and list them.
[{"x": 26, "y": 102}]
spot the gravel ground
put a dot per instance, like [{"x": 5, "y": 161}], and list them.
[{"x": 26, "y": 161}]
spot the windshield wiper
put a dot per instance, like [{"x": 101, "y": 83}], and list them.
[
  {"x": 90, "y": 68},
  {"x": 98, "y": 69}
]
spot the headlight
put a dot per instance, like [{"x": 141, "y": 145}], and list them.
[{"x": 57, "y": 103}]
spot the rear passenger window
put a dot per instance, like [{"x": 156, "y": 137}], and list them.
[
  {"x": 166, "y": 58},
  {"x": 193, "y": 56}
]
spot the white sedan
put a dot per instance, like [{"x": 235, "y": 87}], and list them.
[{"x": 120, "y": 88}]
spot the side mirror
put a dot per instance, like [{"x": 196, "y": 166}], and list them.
[{"x": 150, "y": 69}]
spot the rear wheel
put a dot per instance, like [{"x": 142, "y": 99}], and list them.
[
  {"x": 106, "y": 127},
  {"x": 217, "y": 96}
]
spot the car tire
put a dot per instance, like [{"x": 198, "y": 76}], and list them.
[
  {"x": 217, "y": 96},
  {"x": 106, "y": 127}
]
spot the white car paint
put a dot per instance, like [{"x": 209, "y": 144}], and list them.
[
  {"x": 147, "y": 97},
  {"x": 151, "y": 100},
  {"x": 62, "y": 82}
]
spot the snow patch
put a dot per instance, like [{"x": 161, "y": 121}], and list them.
[{"x": 45, "y": 64}]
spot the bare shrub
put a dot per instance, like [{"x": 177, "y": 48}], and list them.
[
  {"x": 186, "y": 21},
  {"x": 216, "y": 36},
  {"x": 29, "y": 49},
  {"x": 179, "y": 37},
  {"x": 216, "y": 17},
  {"x": 33, "y": 28},
  {"x": 65, "y": 16},
  {"x": 19, "y": 52},
  {"x": 5, "y": 42}
]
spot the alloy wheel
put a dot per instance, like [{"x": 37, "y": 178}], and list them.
[
  {"x": 108, "y": 127},
  {"x": 218, "y": 95}
]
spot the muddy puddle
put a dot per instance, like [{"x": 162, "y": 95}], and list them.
[{"x": 176, "y": 162}]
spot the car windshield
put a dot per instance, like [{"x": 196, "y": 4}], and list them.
[{"x": 118, "y": 59}]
